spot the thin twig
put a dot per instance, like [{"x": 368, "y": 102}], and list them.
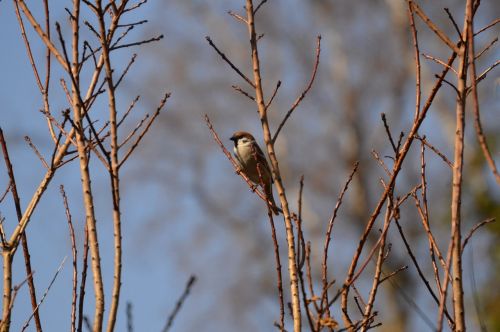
[
  {"x": 475, "y": 106},
  {"x": 130, "y": 326},
  {"x": 495, "y": 22},
  {"x": 131, "y": 106},
  {"x": 237, "y": 17},
  {"x": 132, "y": 133},
  {"x": 455, "y": 25},
  {"x": 328, "y": 236},
  {"x": 145, "y": 130},
  {"x": 130, "y": 63},
  {"x": 418, "y": 268},
  {"x": 179, "y": 303},
  {"x": 74, "y": 252},
  {"x": 482, "y": 76},
  {"x": 26, "y": 324},
  {"x": 474, "y": 229},
  {"x": 433, "y": 27},
  {"x": 389, "y": 135},
  {"x": 225, "y": 58},
  {"x": 278, "y": 265},
  {"x": 304, "y": 92},
  {"x": 142, "y": 42},
  {"x": 299, "y": 265},
  {"x": 435, "y": 150},
  {"x": 273, "y": 95},
  {"x": 83, "y": 279},
  {"x": 258, "y": 6},
  {"x": 7, "y": 190},
  {"x": 393, "y": 273},
  {"x": 486, "y": 48},
  {"x": 38, "y": 154},
  {"x": 441, "y": 62},
  {"x": 243, "y": 92}
]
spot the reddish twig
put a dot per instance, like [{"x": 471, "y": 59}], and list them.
[
  {"x": 475, "y": 105},
  {"x": 435, "y": 150},
  {"x": 433, "y": 26},
  {"x": 328, "y": 236},
  {"x": 304, "y": 92},
  {"x": 474, "y": 229}
]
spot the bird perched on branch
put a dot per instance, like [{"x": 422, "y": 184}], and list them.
[{"x": 249, "y": 155}]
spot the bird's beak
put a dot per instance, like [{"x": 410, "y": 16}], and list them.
[{"x": 232, "y": 138}]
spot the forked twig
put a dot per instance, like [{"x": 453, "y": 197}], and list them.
[{"x": 146, "y": 128}]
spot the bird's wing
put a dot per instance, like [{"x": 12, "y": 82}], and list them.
[{"x": 262, "y": 157}]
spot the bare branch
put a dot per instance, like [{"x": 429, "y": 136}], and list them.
[
  {"x": 433, "y": 148},
  {"x": 238, "y": 17},
  {"x": 142, "y": 42},
  {"x": 38, "y": 154},
  {"x": 258, "y": 6},
  {"x": 433, "y": 27},
  {"x": 442, "y": 63},
  {"x": 43, "y": 36},
  {"x": 304, "y": 92},
  {"x": 132, "y": 104},
  {"x": 179, "y": 303},
  {"x": 273, "y": 95},
  {"x": 243, "y": 92},
  {"x": 26, "y": 324},
  {"x": 145, "y": 130},
  {"x": 393, "y": 273},
  {"x": 474, "y": 229},
  {"x": 495, "y": 22},
  {"x": 225, "y": 58},
  {"x": 74, "y": 252},
  {"x": 475, "y": 103}
]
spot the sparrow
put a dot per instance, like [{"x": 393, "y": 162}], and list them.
[{"x": 249, "y": 155}]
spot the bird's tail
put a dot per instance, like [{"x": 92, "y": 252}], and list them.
[{"x": 272, "y": 204}]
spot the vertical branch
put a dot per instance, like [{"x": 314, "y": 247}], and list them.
[
  {"x": 456, "y": 194},
  {"x": 74, "y": 252},
  {"x": 292, "y": 261},
  {"x": 418, "y": 91},
  {"x": 7, "y": 290},
  {"x": 278, "y": 269},
  {"x": 88, "y": 198},
  {"x": 378, "y": 267},
  {"x": 113, "y": 167},
  {"x": 328, "y": 239},
  {"x": 83, "y": 279}
]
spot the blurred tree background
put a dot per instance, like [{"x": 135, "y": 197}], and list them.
[{"x": 193, "y": 215}]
